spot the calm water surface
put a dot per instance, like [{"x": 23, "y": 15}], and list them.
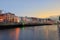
[{"x": 31, "y": 33}]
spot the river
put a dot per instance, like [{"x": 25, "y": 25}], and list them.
[{"x": 48, "y": 32}]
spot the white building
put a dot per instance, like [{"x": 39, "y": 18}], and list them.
[{"x": 55, "y": 18}]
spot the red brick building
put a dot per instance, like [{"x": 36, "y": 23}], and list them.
[
  {"x": 2, "y": 17},
  {"x": 8, "y": 17}
]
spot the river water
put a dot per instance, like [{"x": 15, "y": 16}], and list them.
[{"x": 48, "y": 32}]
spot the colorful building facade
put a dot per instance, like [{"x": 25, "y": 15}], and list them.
[{"x": 8, "y": 18}]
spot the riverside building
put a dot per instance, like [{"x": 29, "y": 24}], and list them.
[{"x": 8, "y": 18}]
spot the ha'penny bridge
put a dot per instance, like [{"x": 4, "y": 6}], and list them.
[{"x": 14, "y": 25}]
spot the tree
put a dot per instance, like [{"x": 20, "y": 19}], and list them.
[{"x": 59, "y": 18}]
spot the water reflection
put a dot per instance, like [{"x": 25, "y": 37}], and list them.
[
  {"x": 17, "y": 33},
  {"x": 31, "y": 33},
  {"x": 39, "y": 33},
  {"x": 51, "y": 32}
]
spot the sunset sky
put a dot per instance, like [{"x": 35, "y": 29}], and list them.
[{"x": 34, "y": 8}]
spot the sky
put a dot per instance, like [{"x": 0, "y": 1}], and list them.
[{"x": 31, "y": 8}]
